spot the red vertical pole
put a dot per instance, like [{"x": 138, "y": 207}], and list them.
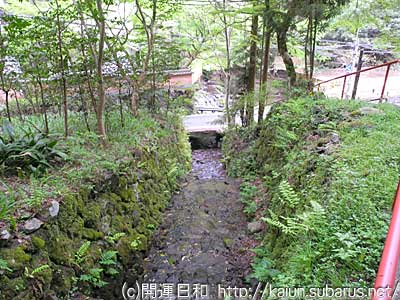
[
  {"x": 385, "y": 280},
  {"x": 384, "y": 83},
  {"x": 344, "y": 85}
]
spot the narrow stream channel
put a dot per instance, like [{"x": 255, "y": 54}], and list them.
[{"x": 202, "y": 239}]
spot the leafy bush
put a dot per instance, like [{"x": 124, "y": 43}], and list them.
[{"x": 33, "y": 152}]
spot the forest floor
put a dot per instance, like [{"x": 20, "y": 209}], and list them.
[{"x": 203, "y": 238}]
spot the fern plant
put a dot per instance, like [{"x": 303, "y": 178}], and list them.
[
  {"x": 288, "y": 225},
  {"x": 108, "y": 258},
  {"x": 80, "y": 255},
  {"x": 288, "y": 195},
  {"x": 7, "y": 203},
  {"x": 136, "y": 243},
  {"x": 112, "y": 239},
  {"x": 94, "y": 277},
  {"x": 35, "y": 271},
  {"x": 4, "y": 265}
]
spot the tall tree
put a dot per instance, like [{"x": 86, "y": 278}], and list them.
[
  {"x": 252, "y": 66},
  {"x": 100, "y": 20},
  {"x": 96, "y": 46},
  {"x": 228, "y": 74},
  {"x": 283, "y": 19},
  {"x": 60, "y": 44},
  {"x": 267, "y": 45}
]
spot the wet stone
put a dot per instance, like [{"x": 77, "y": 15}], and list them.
[{"x": 202, "y": 230}]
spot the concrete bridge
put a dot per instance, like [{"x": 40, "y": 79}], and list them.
[
  {"x": 205, "y": 130},
  {"x": 204, "y": 122}
]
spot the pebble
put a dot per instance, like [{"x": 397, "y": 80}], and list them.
[
  {"x": 32, "y": 225},
  {"x": 54, "y": 209},
  {"x": 255, "y": 227},
  {"x": 5, "y": 235}
]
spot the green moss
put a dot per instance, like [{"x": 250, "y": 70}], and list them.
[
  {"x": 38, "y": 242},
  {"x": 91, "y": 214},
  {"x": 46, "y": 275},
  {"x": 10, "y": 288},
  {"x": 120, "y": 224},
  {"x": 127, "y": 194},
  {"x": 16, "y": 258},
  {"x": 92, "y": 234},
  {"x": 228, "y": 242},
  {"x": 124, "y": 250},
  {"x": 60, "y": 248},
  {"x": 63, "y": 280}
]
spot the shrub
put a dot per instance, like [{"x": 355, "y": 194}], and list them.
[{"x": 32, "y": 152}]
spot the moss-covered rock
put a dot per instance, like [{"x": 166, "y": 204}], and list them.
[
  {"x": 16, "y": 258},
  {"x": 91, "y": 234},
  {"x": 38, "y": 242}
]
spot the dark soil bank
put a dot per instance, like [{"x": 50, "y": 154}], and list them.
[{"x": 202, "y": 239}]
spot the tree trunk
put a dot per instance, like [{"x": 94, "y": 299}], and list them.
[
  {"x": 7, "y": 106},
  {"x": 264, "y": 78},
  {"x": 149, "y": 30},
  {"x": 153, "y": 84},
  {"x": 264, "y": 75},
  {"x": 284, "y": 53},
  {"x": 135, "y": 101},
  {"x": 228, "y": 67},
  {"x": 102, "y": 99},
  {"x": 44, "y": 107},
  {"x": 121, "y": 110},
  {"x": 313, "y": 47},
  {"x": 85, "y": 66},
  {"x": 84, "y": 106},
  {"x": 62, "y": 69},
  {"x": 21, "y": 116},
  {"x": 252, "y": 70},
  {"x": 306, "y": 47}
]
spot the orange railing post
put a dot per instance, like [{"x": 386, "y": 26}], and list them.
[
  {"x": 384, "y": 83},
  {"x": 344, "y": 86},
  {"x": 386, "y": 277}
]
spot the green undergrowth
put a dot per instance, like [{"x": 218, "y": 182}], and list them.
[
  {"x": 87, "y": 163},
  {"x": 325, "y": 173},
  {"x": 111, "y": 201}
]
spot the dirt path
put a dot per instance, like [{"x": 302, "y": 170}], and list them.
[{"x": 203, "y": 238}]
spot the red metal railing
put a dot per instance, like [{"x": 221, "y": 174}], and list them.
[
  {"x": 386, "y": 278},
  {"x": 387, "y": 65}
]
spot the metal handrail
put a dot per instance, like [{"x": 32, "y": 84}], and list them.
[
  {"x": 386, "y": 277},
  {"x": 388, "y": 65}
]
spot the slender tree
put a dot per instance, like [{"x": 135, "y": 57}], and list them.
[
  {"x": 264, "y": 76},
  {"x": 252, "y": 69},
  {"x": 60, "y": 45}
]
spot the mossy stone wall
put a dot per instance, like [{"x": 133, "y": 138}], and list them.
[{"x": 119, "y": 215}]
